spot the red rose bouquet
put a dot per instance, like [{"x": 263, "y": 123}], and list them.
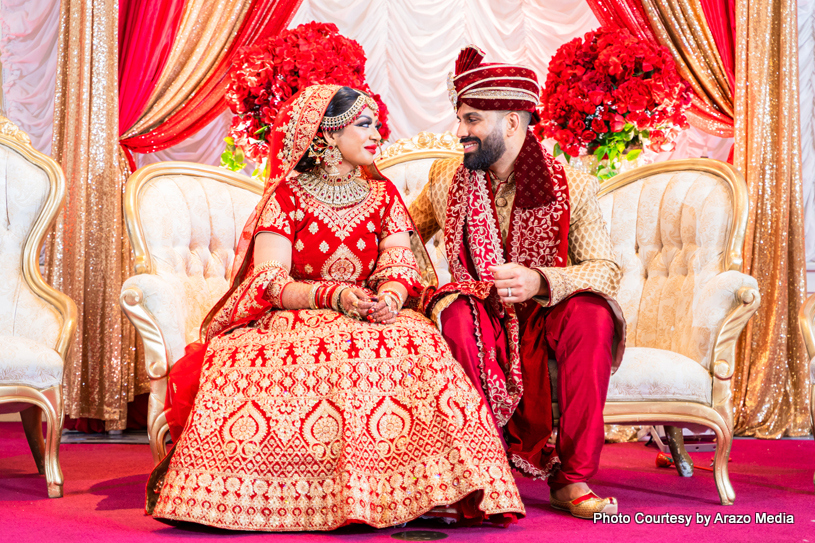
[
  {"x": 610, "y": 95},
  {"x": 267, "y": 74}
]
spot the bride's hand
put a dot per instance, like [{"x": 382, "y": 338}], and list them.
[
  {"x": 385, "y": 310},
  {"x": 355, "y": 302}
]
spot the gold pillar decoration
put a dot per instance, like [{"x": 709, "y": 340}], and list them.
[
  {"x": 87, "y": 253},
  {"x": 771, "y": 383}
]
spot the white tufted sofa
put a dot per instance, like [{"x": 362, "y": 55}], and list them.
[
  {"x": 37, "y": 322},
  {"x": 806, "y": 320},
  {"x": 183, "y": 221},
  {"x": 677, "y": 229}
]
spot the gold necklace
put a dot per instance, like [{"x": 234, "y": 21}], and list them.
[{"x": 335, "y": 190}]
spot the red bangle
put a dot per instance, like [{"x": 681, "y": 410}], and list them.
[{"x": 325, "y": 303}]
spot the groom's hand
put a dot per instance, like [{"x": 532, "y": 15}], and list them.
[{"x": 522, "y": 283}]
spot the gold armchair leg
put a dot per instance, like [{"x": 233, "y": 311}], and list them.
[
  {"x": 32, "y": 424},
  {"x": 682, "y": 460},
  {"x": 53, "y": 418}
]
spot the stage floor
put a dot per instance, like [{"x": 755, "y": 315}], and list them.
[{"x": 104, "y": 499}]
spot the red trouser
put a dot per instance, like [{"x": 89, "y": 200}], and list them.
[{"x": 578, "y": 333}]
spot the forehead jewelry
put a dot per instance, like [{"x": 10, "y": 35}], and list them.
[{"x": 342, "y": 120}]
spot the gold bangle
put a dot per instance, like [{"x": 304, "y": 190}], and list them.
[
  {"x": 335, "y": 299},
  {"x": 312, "y": 295},
  {"x": 267, "y": 265}
]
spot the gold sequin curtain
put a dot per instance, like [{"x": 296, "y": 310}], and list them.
[
  {"x": 88, "y": 256},
  {"x": 770, "y": 385},
  {"x": 680, "y": 25}
]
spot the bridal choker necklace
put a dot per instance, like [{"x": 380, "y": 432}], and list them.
[{"x": 335, "y": 191}]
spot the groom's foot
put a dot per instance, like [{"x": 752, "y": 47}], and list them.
[{"x": 581, "y": 502}]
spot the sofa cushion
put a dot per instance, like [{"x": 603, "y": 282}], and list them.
[
  {"x": 27, "y": 362},
  {"x": 648, "y": 374}
]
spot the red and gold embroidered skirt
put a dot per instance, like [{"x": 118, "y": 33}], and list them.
[{"x": 313, "y": 420}]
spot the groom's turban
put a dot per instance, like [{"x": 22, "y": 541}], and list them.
[{"x": 493, "y": 86}]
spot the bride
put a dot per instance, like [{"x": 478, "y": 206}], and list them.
[{"x": 323, "y": 399}]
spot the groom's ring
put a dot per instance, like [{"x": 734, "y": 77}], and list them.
[{"x": 509, "y": 292}]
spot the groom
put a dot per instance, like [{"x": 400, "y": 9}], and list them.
[{"x": 533, "y": 278}]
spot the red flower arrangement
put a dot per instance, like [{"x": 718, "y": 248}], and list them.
[
  {"x": 267, "y": 74},
  {"x": 611, "y": 94}
]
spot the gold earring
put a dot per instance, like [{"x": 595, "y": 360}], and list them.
[{"x": 332, "y": 158}]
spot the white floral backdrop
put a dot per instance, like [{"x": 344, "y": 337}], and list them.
[{"x": 411, "y": 45}]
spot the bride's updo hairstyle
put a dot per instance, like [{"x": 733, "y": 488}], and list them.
[{"x": 340, "y": 103}]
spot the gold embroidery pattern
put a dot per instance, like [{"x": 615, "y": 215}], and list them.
[
  {"x": 274, "y": 291},
  {"x": 273, "y": 218},
  {"x": 306, "y": 112},
  {"x": 343, "y": 265},
  {"x": 313, "y": 420},
  {"x": 396, "y": 263},
  {"x": 397, "y": 220},
  {"x": 244, "y": 301},
  {"x": 342, "y": 225},
  {"x": 541, "y": 225}
]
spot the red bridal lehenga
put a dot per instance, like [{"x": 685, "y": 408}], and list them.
[{"x": 310, "y": 419}]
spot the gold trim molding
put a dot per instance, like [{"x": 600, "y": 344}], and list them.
[{"x": 422, "y": 145}]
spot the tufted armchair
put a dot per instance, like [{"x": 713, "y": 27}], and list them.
[
  {"x": 677, "y": 229},
  {"x": 37, "y": 322},
  {"x": 183, "y": 221},
  {"x": 806, "y": 320}
]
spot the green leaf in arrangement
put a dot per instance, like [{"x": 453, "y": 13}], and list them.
[
  {"x": 557, "y": 151},
  {"x": 633, "y": 154},
  {"x": 230, "y": 141}
]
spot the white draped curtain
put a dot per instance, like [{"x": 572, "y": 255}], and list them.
[
  {"x": 806, "y": 75},
  {"x": 411, "y": 46},
  {"x": 28, "y": 53}
]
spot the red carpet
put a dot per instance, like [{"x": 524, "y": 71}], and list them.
[{"x": 104, "y": 496}]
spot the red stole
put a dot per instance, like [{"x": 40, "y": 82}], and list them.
[{"x": 537, "y": 237}]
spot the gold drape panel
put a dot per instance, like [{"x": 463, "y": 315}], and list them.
[
  {"x": 207, "y": 29},
  {"x": 770, "y": 386},
  {"x": 87, "y": 253},
  {"x": 680, "y": 25}
]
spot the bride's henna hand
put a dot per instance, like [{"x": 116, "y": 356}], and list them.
[{"x": 355, "y": 302}]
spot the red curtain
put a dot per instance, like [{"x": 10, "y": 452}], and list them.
[
  {"x": 266, "y": 18},
  {"x": 630, "y": 14},
  {"x": 721, "y": 19},
  {"x": 627, "y": 14},
  {"x": 146, "y": 34}
]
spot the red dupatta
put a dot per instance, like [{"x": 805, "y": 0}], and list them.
[{"x": 294, "y": 129}]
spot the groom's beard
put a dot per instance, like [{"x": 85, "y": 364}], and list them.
[{"x": 488, "y": 151}]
